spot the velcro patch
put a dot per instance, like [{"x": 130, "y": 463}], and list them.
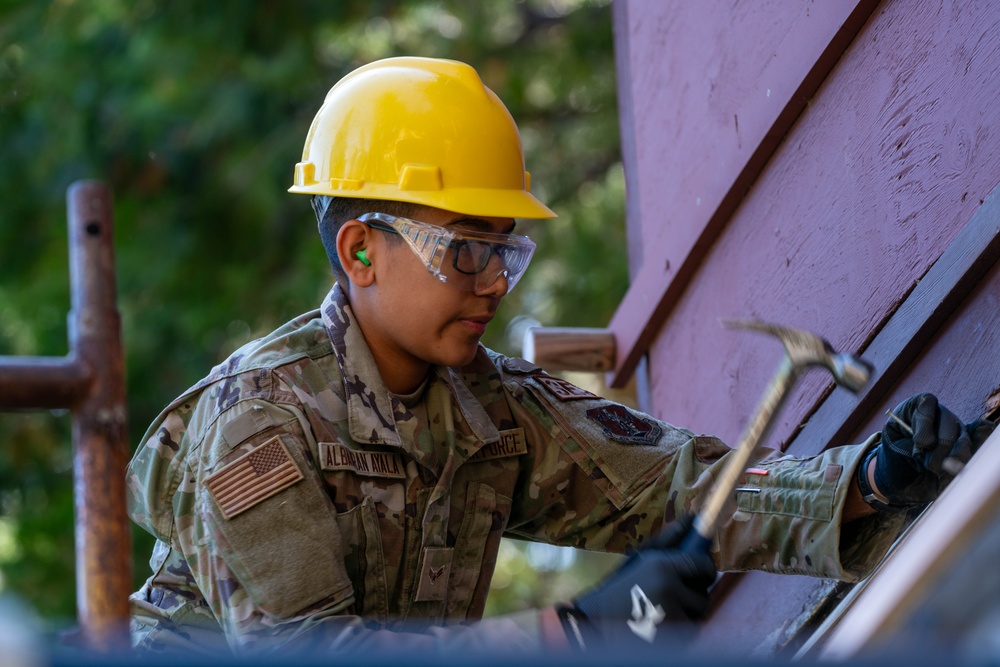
[
  {"x": 252, "y": 478},
  {"x": 246, "y": 425},
  {"x": 338, "y": 456},
  {"x": 435, "y": 571},
  {"x": 511, "y": 443},
  {"x": 621, "y": 424},
  {"x": 561, "y": 389},
  {"x": 520, "y": 366}
]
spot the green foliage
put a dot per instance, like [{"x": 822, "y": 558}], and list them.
[{"x": 194, "y": 114}]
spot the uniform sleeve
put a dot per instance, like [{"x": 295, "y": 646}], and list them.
[{"x": 603, "y": 476}]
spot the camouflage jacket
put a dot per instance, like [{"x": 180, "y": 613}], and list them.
[{"x": 294, "y": 499}]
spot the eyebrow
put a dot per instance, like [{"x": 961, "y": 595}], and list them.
[{"x": 478, "y": 224}]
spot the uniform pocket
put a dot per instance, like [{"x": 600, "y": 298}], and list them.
[
  {"x": 286, "y": 548},
  {"x": 364, "y": 559},
  {"x": 486, "y": 516},
  {"x": 792, "y": 491}
]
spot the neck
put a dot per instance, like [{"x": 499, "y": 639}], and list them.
[
  {"x": 405, "y": 382},
  {"x": 402, "y": 372}
]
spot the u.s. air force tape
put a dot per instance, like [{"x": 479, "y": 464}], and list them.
[
  {"x": 511, "y": 443},
  {"x": 335, "y": 456}
]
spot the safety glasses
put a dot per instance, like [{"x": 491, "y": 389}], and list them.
[{"x": 469, "y": 260}]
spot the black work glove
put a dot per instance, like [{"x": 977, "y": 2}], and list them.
[
  {"x": 659, "y": 583},
  {"x": 912, "y": 468}
]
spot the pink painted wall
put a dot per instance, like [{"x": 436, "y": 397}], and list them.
[
  {"x": 891, "y": 159},
  {"x": 762, "y": 611},
  {"x": 707, "y": 79},
  {"x": 895, "y": 152}
]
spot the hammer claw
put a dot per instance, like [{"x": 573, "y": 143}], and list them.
[{"x": 807, "y": 349}]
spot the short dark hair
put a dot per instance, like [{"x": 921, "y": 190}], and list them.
[{"x": 333, "y": 212}]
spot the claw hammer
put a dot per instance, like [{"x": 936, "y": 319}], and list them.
[{"x": 802, "y": 350}]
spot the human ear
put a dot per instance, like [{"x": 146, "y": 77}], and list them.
[{"x": 355, "y": 255}]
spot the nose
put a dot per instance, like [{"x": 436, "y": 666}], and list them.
[{"x": 498, "y": 288}]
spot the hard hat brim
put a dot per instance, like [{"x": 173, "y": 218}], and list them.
[{"x": 468, "y": 201}]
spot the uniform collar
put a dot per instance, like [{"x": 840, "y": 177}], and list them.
[{"x": 370, "y": 413}]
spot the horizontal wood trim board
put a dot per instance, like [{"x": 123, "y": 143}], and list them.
[
  {"x": 655, "y": 291},
  {"x": 920, "y": 316}
]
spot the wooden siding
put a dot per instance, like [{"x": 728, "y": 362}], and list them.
[
  {"x": 943, "y": 337},
  {"x": 862, "y": 211},
  {"x": 708, "y": 91}
]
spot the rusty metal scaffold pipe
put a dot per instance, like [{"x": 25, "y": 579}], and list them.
[
  {"x": 42, "y": 382},
  {"x": 90, "y": 381},
  {"x": 103, "y": 563}
]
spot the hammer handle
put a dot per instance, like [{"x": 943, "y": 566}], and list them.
[{"x": 708, "y": 516}]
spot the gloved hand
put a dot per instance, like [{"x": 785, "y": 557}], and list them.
[
  {"x": 659, "y": 583},
  {"x": 912, "y": 468}
]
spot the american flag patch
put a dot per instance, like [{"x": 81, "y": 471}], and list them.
[{"x": 252, "y": 478}]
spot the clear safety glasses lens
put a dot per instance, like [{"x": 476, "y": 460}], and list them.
[{"x": 468, "y": 259}]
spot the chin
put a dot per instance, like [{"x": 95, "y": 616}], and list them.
[{"x": 459, "y": 359}]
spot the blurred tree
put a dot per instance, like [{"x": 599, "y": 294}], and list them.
[{"x": 195, "y": 114}]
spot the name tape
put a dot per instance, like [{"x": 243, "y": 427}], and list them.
[{"x": 336, "y": 456}]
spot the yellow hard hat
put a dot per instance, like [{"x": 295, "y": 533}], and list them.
[{"x": 420, "y": 130}]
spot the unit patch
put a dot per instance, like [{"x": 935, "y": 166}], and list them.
[
  {"x": 621, "y": 424},
  {"x": 252, "y": 478},
  {"x": 561, "y": 389},
  {"x": 511, "y": 443},
  {"x": 338, "y": 456}
]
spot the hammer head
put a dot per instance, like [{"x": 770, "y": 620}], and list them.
[{"x": 807, "y": 349}]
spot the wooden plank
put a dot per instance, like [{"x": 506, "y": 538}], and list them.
[
  {"x": 569, "y": 348},
  {"x": 894, "y": 157},
  {"x": 933, "y": 545},
  {"x": 961, "y": 367},
  {"x": 760, "y": 614},
  {"x": 727, "y": 163},
  {"x": 940, "y": 339}
]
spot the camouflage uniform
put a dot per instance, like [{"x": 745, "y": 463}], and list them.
[{"x": 294, "y": 498}]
